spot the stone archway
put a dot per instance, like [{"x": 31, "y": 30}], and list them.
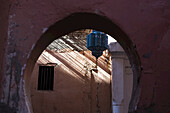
[{"x": 89, "y": 21}]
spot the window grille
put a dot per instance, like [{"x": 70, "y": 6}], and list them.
[{"x": 46, "y": 78}]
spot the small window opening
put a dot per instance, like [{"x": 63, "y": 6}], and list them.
[{"x": 46, "y": 78}]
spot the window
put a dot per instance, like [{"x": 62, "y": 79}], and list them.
[{"x": 46, "y": 78}]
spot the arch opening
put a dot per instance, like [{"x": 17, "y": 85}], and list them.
[{"x": 88, "y": 21}]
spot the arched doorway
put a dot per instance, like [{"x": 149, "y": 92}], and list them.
[{"x": 78, "y": 21}]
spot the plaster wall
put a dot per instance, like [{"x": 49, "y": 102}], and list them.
[
  {"x": 145, "y": 23},
  {"x": 77, "y": 89}
]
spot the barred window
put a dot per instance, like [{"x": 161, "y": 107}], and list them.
[{"x": 46, "y": 78}]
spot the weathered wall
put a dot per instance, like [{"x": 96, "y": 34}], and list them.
[
  {"x": 76, "y": 89},
  {"x": 145, "y": 22},
  {"x": 4, "y": 15},
  {"x": 4, "y": 12}
]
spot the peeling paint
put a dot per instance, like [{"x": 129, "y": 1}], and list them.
[
  {"x": 32, "y": 47},
  {"x": 12, "y": 55},
  {"x": 22, "y": 70},
  {"x": 30, "y": 51},
  {"x": 44, "y": 30},
  {"x": 11, "y": 16}
]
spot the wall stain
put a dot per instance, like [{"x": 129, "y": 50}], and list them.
[
  {"x": 147, "y": 55},
  {"x": 155, "y": 37}
]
